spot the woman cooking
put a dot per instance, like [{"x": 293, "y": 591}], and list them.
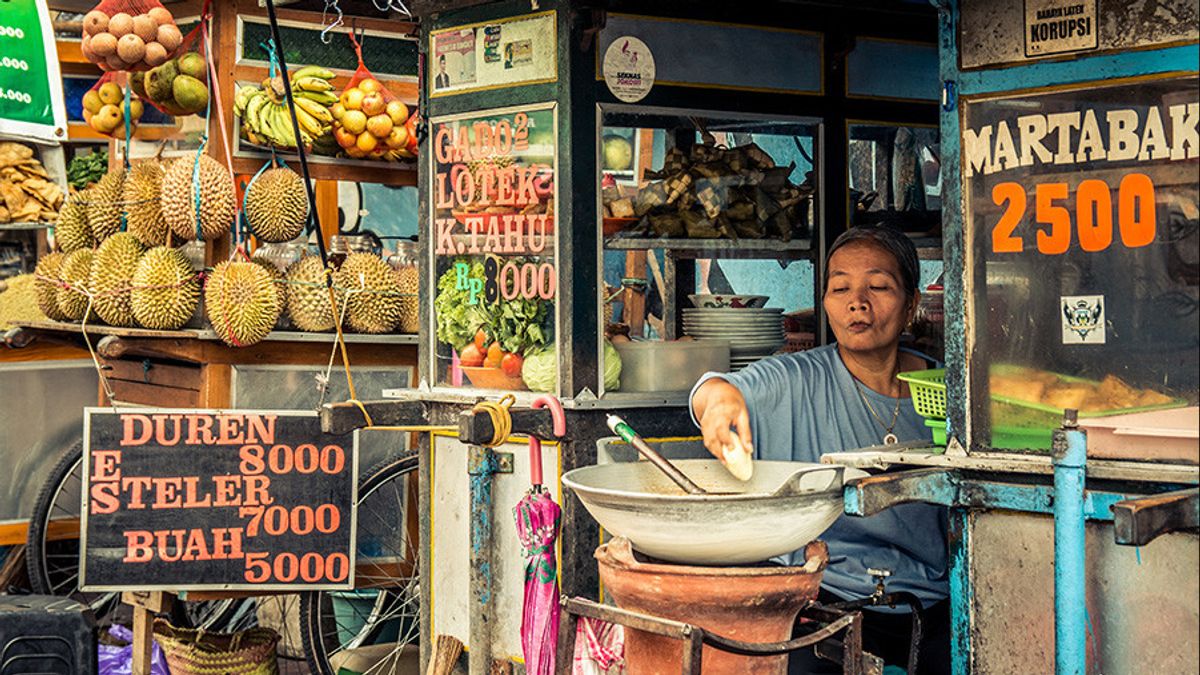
[{"x": 843, "y": 397}]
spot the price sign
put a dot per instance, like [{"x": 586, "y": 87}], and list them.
[
  {"x": 31, "y": 98},
  {"x": 493, "y": 196},
  {"x": 1081, "y": 172},
  {"x": 202, "y": 499}
]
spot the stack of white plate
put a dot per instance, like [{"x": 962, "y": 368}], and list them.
[{"x": 752, "y": 332}]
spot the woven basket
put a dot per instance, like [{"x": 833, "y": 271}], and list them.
[{"x": 197, "y": 652}]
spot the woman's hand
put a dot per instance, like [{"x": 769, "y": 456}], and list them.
[{"x": 721, "y": 409}]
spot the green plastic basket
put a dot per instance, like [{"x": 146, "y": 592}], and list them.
[
  {"x": 1002, "y": 437},
  {"x": 928, "y": 388}
]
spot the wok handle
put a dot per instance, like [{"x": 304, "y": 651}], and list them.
[{"x": 793, "y": 484}]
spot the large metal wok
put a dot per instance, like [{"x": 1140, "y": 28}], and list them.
[{"x": 782, "y": 508}]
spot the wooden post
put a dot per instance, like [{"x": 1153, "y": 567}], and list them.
[{"x": 145, "y": 605}]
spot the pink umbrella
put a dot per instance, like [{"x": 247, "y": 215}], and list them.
[{"x": 537, "y": 527}]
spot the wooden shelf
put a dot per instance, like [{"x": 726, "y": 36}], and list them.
[{"x": 210, "y": 335}]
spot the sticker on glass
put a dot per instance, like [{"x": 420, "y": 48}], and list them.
[
  {"x": 629, "y": 69},
  {"x": 1083, "y": 320}
]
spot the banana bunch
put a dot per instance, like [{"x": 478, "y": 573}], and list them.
[{"x": 264, "y": 113}]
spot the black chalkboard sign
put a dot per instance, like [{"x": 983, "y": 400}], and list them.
[{"x": 205, "y": 500}]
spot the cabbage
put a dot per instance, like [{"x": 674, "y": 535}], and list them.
[
  {"x": 541, "y": 369},
  {"x": 612, "y": 367}
]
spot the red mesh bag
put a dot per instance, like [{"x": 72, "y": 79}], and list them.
[
  {"x": 179, "y": 86},
  {"x": 104, "y": 106},
  {"x": 370, "y": 122},
  {"x": 130, "y": 35}
]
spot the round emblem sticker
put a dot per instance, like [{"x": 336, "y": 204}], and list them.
[{"x": 629, "y": 69}]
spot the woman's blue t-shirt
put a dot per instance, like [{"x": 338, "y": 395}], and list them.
[{"x": 805, "y": 405}]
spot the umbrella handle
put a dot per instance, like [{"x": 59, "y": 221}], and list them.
[{"x": 535, "y": 444}]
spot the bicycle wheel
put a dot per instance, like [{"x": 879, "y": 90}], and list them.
[
  {"x": 52, "y": 560},
  {"x": 52, "y": 547},
  {"x": 384, "y": 608}
]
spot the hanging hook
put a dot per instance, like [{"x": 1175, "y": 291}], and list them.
[
  {"x": 331, "y": 26},
  {"x": 535, "y": 444}
]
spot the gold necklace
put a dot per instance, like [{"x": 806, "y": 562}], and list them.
[{"x": 888, "y": 437}]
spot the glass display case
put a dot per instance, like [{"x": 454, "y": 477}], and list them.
[
  {"x": 494, "y": 275},
  {"x": 682, "y": 194},
  {"x": 1083, "y": 272}
]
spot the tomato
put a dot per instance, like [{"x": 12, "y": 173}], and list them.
[
  {"x": 471, "y": 356},
  {"x": 511, "y": 364},
  {"x": 480, "y": 340},
  {"x": 495, "y": 354}
]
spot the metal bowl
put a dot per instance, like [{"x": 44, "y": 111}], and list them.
[{"x": 782, "y": 508}]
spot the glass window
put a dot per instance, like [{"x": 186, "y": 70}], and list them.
[
  {"x": 493, "y": 248},
  {"x": 1082, "y": 217}
]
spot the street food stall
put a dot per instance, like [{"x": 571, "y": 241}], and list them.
[
  {"x": 609, "y": 201},
  {"x": 587, "y": 177},
  {"x": 1064, "y": 422}
]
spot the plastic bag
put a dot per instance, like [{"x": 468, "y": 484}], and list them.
[
  {"x": 104, "y": 106},
  {"x": 370, "y": 122},
  {"x": 117, "y": 659},
  {"x": 599, "y": 648},
  {"x": 129, "y": 35},
  {"x": 178, "y": 86}
]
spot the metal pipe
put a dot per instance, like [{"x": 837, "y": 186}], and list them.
[
  {"x": 1070, "y": 599},
  {"x": 481, "y": 466}
]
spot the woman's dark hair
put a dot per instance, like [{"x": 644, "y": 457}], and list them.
[{"x": 889, "y": 239}]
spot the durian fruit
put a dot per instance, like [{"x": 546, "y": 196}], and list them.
[
  {"x": 143, "y": 207},
  {"x": 165, "y": 290},
  {"x": 408, "y": 278},
  {"x": 371, "y": 293},
  {"x": 46, "y": 284},
  {"x": 241, "y": 302},
  {"x": 72, "y": 231},
  {"x": 76, "y": 275},
  {"x": 308, "y": 299},
  {"x": 217, "y": 200},
  {"x": 281, "y": 289},
  {"x": 106, "y": 201},
  {"x": 112, "y": 276},
  {"x": 277, "y": 205}
]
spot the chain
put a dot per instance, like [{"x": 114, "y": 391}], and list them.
[{"x": 888, "y": 437}]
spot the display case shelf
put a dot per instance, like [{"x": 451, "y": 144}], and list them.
[{"x": 715, "y": 248}]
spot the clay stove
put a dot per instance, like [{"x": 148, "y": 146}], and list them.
[{"x": 756, "y": 604}]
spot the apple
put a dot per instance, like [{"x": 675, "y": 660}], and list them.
[
  {"x": 397, "y": 111},
  {"x": 352, "y": 99},
  {"x": 374, "y": 104},
  {"x": 354, "y": 121},
  {"x": 344, "y": 138}
]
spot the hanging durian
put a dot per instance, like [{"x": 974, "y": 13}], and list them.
[
  {"x": 217, "y": 203},
  {"x": 143, "y": 206},
  {"x": 308, "y": 299},
  {"x": 371, "y": 292},
  {"x": 277, "y": 205},
  {"x": 166, "y": 289},
  {"x": 112, "y": 276},
  {"x": 241, "y": 302},
  {"x": 47, "y": 277},
  {"x": 76, "y": 274}
]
